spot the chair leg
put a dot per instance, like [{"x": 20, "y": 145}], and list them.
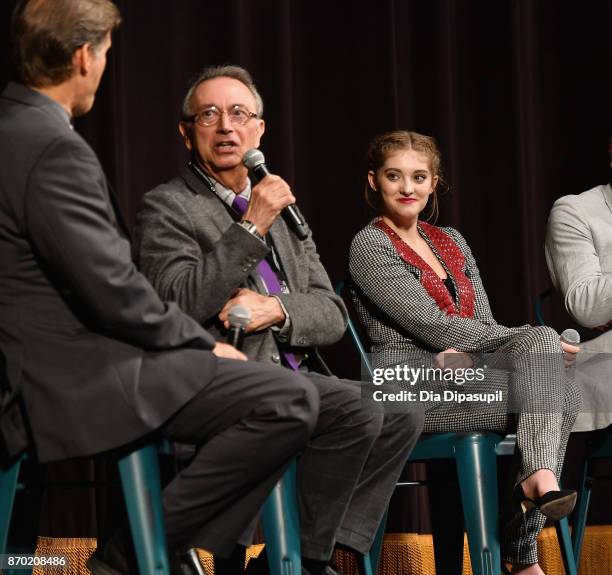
[
  {"x": 477, "y": 469},
  {"x": 368, "y": 564},
  {"x": 377, "y": 544},
  {"x": 141, "y": 488},
  {"x": 8, "y": 488},
  {"x": 364, "y": 564},
  {"x": 446, "y": 516},
  {"x": 565, "y": 544},
  {"x": 582, "y": 510},
  {"x": 281, "y": 526}
]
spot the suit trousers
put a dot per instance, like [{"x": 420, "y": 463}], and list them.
[
  {"x": 248, "y": 423},
  {"x": 349, "y": 468}
]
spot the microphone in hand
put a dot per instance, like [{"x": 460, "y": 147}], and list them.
[
  {"x": 255, "y": 162},
  {"x": 238, "y": 318},
  {"x": 570, "y": 336}
]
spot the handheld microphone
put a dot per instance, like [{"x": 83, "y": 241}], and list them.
[
  {"x": 570, "y": 336},
  {"x": 238, "y": 317},
  {"x": 255, "y": 162}
]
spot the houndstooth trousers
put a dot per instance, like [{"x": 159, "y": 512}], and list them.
[{"x": 541, "y": 437}]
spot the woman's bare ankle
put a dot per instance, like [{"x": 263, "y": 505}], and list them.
[{"x": 539, "y": 483}]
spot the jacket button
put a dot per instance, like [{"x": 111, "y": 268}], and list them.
[{"x": 275, "y": 358}]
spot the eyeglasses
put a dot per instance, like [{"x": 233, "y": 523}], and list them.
[{"x": 211, "y": 116}]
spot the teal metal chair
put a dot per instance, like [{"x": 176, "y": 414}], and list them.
[
  {"x": 139, "y": 474},
  {"x": 599, "y": 446},
  {"x": 475, "y": 456},
  {"x": 281, "y": 526}
]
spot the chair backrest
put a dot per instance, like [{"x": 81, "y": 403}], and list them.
[
  {"x": 549, "y": 309},
  {"x": 537, "y": 305},
  {"x": 353, "y": 327}
]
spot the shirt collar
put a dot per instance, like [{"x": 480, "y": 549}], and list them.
[{"x": 227, "y": 196}]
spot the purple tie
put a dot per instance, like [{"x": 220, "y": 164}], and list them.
[{"x": 268, "y": 276}]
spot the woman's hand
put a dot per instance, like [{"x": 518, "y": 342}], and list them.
[
  {"x": 453, "y": 359},
  {"x": 569, "y": 353}
]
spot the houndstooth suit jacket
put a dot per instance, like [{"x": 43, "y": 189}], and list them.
[
  {"x": 398, "y": 313},
  {"x": 402, "y": 319}
]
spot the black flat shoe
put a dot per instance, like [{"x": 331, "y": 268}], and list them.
[
  {"x": 117, "y": 557},
  {"x": 259, "y": 566}
]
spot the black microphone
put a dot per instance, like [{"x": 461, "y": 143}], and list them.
[
  {"x": 238, "y": 317},
  {"x": 256, "y": 164},
  {"x": 570, "y": 336}
]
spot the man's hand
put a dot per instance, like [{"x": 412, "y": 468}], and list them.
[
  {"x": 569, "y": 353},
  {"x": 453, "y": 359},
  {"x": 268, "y": 198},
  {"x": 228, "y": 351},
  {"x": 265, "y": 310}
]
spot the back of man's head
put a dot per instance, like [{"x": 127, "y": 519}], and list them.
[{"x": 46, "y": 33}]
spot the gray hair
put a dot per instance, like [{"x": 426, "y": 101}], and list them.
[{"x": 222, "y": 71}]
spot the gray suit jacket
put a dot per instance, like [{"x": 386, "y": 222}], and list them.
[
  {"x": 79, "y": 325},
  {"x": 194, "y": 253},
  {"x": 579, "y": 254}
]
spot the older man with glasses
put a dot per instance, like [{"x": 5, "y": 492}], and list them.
[{"x": 210, "y": 240}]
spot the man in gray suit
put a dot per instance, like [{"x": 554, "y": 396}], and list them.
[
  {"x": 93, "y": 354},
  {"x": 579, "y": 258},
  {"x": 210, "y": 241}
]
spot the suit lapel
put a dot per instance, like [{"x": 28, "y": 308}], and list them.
[{"x": 221, "y": 215}]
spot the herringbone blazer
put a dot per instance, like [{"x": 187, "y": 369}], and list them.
[{"x": 194, "y": 253}]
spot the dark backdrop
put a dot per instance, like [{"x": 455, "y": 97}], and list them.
[{"x": 517, "y": 92}]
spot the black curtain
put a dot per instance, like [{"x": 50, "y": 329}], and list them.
[{"x": 517, "y": 92}]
